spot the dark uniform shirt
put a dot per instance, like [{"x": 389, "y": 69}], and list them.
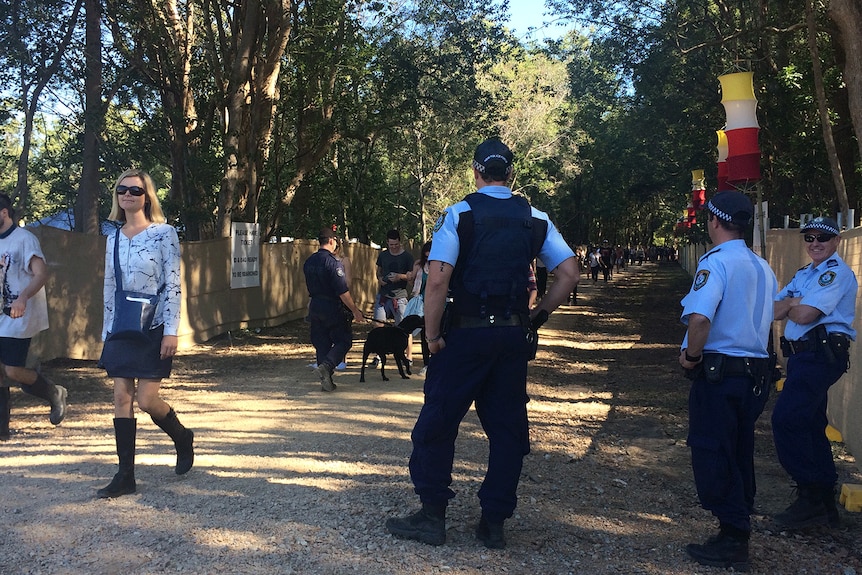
[{"x": 324, "y": 276}]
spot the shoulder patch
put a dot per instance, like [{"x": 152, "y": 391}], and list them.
[
  {"x": 439, "y": 223},
  {"x": 340, "y": 272},
  {"x": 826, "y": 278},
  {"x": 700, "y": 279},
  {"x": 832, "y": 263}
]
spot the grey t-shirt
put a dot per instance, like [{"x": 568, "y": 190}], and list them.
[{"x": 401, "y": 264}]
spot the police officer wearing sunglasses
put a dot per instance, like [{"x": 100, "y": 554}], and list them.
[{"x": 819, "y": 305}]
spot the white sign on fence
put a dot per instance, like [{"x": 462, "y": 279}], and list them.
[{"x": 245, "y": 255}]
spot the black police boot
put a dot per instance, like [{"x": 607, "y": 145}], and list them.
[
  {"x": 428, "y": 525},
  {"x": 728, "y": 549},
  {"x": 53, "y": 394},
  {"x": 806, "y": 511},
  {"x": 123, "y": 482},
  {"x": 183, "y": 440},
  {"x": 5, "y": 410},
  {"x": 827, "y": 495},
  {"x": 490, "y": 533}
]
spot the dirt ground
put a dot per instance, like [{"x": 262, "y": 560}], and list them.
[{"x": 289, "y": 479}]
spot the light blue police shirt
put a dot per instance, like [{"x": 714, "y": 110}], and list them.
[
  {"x": 734, "y": 289},
  {"x": 446, "y": 245},
  {"x": 831, "y": 288}
]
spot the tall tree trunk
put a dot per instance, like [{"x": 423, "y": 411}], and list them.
[
  {"x": 847, "y": 16},
  {"x": 30, "y": 101},
  {"x": 831, "y": 151},
  {"x": 87, "y": 202},
  {"x": 251, "y": 98}
]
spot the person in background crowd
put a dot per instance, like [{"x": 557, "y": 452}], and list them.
[
  {"x": 819, "y": 305},
  {"x": 482, "y": 250},
  {"x": 149, "y": 256},
  {"x": 394, "y": 270},
  {"x": 23, "y": 273},
  {"x": 416, "y": 305},
  {"x": 331, "y": 308},
  {"x": 541, "y": 278},
  {"x": 725, "y": 352}
]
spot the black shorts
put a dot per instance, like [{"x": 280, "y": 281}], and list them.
[{"x": 14, "y": 350}]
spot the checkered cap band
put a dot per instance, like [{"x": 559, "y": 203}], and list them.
[
  {"x": 720, "y": 214},
  {"x": 823, "y": 224}
]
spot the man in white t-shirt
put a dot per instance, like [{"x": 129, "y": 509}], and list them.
[{"x": 23, "y": 273}]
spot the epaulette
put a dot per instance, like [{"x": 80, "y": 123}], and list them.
[
  {"x": 709, "y": 253},
  {"x": 803, "y": 267},
  {"x": 832, "y": 263}
]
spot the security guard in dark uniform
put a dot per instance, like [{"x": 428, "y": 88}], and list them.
[
  {"x": 725, "y": 352},
  {"x": 331, "y": 308},
  {"x": 819, "y": 304},
  {"x": 480, "y": 256}
]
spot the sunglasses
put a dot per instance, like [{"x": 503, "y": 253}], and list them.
[
  {"x": 134, "y": 190},
  {"x": 822, "y": 238}
]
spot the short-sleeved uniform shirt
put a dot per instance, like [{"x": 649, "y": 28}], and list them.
[
  {"x": 446, "y": 244},
  {"x": 17, "y": 249},
  {"x": 733, "y": 288},
  {"x": 831, "y": 288},
  {"x": 324, "y": 276}
]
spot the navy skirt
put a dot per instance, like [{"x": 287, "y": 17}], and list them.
[{"x": 136, "y": 359}]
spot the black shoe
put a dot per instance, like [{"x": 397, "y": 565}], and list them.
[
  {"x": 491, "y": 534},
  {"x": 122, "y": 484},
  {"x": 428, "y": 525},
  {"x": 721, "y": 550},
  {"x": 808, "y": 510}
]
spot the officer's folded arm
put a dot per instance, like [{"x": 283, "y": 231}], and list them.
[{"x": 804, "y": 314}]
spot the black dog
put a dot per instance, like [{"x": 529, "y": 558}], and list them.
[{"x": 391, "y": 339}]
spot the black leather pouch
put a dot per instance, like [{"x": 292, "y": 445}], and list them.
[{"x": 713, "y": 367}]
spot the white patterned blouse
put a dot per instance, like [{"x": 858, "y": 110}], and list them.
[{"x": 148, "y": 261}]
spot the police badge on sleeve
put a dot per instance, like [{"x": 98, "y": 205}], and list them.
[{"x": 700, "y": 279}]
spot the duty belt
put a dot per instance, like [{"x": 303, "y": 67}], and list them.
[
  {"x": 466, "y": 321},
  {"x": 736, "y": 366},
  {"x": 791, "y": 347}
]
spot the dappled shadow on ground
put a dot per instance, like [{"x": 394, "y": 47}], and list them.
[{"x": 287, "y": 475}]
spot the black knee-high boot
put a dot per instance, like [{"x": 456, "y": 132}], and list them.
[
  {"x": 4, "y": 413},
  {"x": 183, "y": 440},
  {"x": 53, "y": 394},
  {"x": 123, "y": 482}
]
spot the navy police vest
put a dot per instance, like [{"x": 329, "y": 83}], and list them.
[{"x": 499, "y": 239}]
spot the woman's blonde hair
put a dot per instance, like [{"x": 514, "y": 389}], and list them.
[{"x": 152, "y": 207}]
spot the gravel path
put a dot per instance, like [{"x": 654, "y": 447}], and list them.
[{"x": 292, "y": 480}]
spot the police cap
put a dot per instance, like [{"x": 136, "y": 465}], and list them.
[{"x": 732, "y": 206}]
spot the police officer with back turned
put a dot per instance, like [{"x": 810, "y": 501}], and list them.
[
  {"x": 330, "y": 309},
  {"x": 480, "y": 256},
  {"x": 728, "y": 312},
  {"x": 819, "y": 304}
]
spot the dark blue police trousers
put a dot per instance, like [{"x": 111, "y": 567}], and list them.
[
  {"x": 331, "y": 337},
  {"x": 799, "y": 420},
  {"x": 487, "y": 366},
  {"x": 721, "y": 437}
]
